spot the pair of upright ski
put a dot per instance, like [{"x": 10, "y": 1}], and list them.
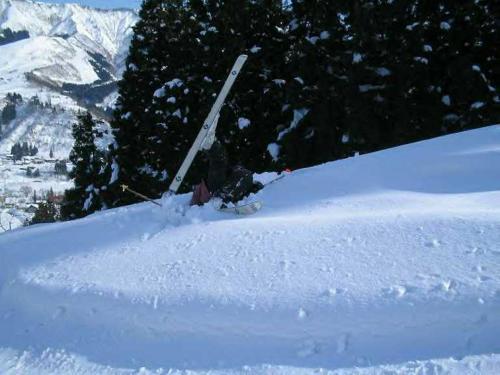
[{"x": 206, "y": 137}]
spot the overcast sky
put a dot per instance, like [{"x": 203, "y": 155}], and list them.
[{"x": 102, "y": 3}]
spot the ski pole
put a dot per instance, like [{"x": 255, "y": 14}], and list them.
[{"x": 126, "y": 188}]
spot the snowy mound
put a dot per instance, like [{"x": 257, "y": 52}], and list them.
[{"x": 388, "y": 261}]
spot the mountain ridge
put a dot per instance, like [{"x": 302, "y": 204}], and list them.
[{"x": 77, "y": 43}]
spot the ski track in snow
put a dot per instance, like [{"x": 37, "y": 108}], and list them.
[{"x": 375, "y": 264}]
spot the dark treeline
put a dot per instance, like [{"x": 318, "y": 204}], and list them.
[
  {"x": 324, "y": 80},
  {"x": 8, "y": 36},
  {"x": 18, "y": 150}
]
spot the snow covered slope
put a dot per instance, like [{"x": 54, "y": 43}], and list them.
[
  {"x": 46, "y": 128},
  {"x": 67, "y": 44},
  {"x": 380, "y": 264}
]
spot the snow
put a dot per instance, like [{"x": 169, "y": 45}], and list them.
[
  {"x": 255, "y": 49},
  {"x": 159, "y": 93},
  {"x": 312, "y": 39},
  {"x": 357, "y": 58},
  {"x": 412, "y": 26},
  {"x": 369, "y": 87},
  {"x": 383, "y": 263},
  {"x": 445, "y": 26},
  {"x": 324, "y": 35},
  {"x": 446, "y": 100},
  {"x": 274, "y": 150},
  {"x": 477, "y": 105},
  {"x": 46, "y": 128},
  {"x": 115, "y": 170},
  {"x": 243, "y": 123},
  {"x": 279, "y": 82},
  {"x": 298, "y": 115},
  {"x": 52, "y": 361},
  {"x": 299, "y": 80},
  {"x": 383, "y": 72},
  {"x": 100, "y": 31},
  {"x": 421, "y": 59},
  {"x": 17, "y": 189},
  {"x": 63, "y": 39},
  {"x": 88, "y": 202}
]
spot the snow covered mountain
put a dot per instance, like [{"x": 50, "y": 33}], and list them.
[
  {"x": 64, "y": 53},
  {"x": 60, "y": 59},
  {"x": 386, "y": 263}
]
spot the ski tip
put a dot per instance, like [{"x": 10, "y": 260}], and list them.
[{"x": 245, "y": 209}]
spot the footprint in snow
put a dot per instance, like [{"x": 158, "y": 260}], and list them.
[
  {"x": 343, "y": 343},
  {"x": 447, "y": 286},
  {"x": 59, "y": 313},
  {"x": 433, "y": 243},
  {"x": 302, "y": 314},
  {"x": 334, "y": 292},
  {"x": 483, "y": 279},
  {"x": 397, "y": 291},
  {"x": 474, "y": 251},
  {"x": 308, "y": 348},
  {"x": 478, "y": 268}
]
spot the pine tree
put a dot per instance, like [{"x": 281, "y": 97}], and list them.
[
  {"x": 149, "y": 120},
  {"x": 468, "y": 37},
  {"x": 46, "y": 213},
  {"x": 324, "y": 80},
  {"x": 319, "y": 59},
  {"x": 253, "y": 111},
  {"x": 87, "y": 172},
  {"x": 447, "y": 45},
  {"x": 8, "y": 113},
  {"x": 179, "y": 59}
]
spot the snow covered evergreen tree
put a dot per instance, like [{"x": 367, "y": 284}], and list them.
[
  {"x": 254, "y": 110},
  {"x": 46, "y": 212},
  {"x": 324, "y": 80},
  {"x": 390, "y": 73},
  {"x": 8, "y": 113},
  {"x": 87, "y": 173},
  {"x": 318, "y": 58},
  {"x": 151, "y": 123},
  {"x": 179, "y": 58}
]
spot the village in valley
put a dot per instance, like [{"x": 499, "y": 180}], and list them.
[
  {"x": 35, "y": 141},
  {"x": 26, "y": 183}
]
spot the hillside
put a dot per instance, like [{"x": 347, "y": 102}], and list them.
[
  {"x": 61, "y": 58},
  {"x": 64, "y": 53},
  {"x": 378, "y": 264}
]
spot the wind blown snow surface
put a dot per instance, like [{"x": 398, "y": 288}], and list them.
[{"x": 387, "y": 263}]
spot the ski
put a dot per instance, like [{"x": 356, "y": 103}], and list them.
[
  {"x": 209, "y": 123},
  {"x": 244, "y": 209}
]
